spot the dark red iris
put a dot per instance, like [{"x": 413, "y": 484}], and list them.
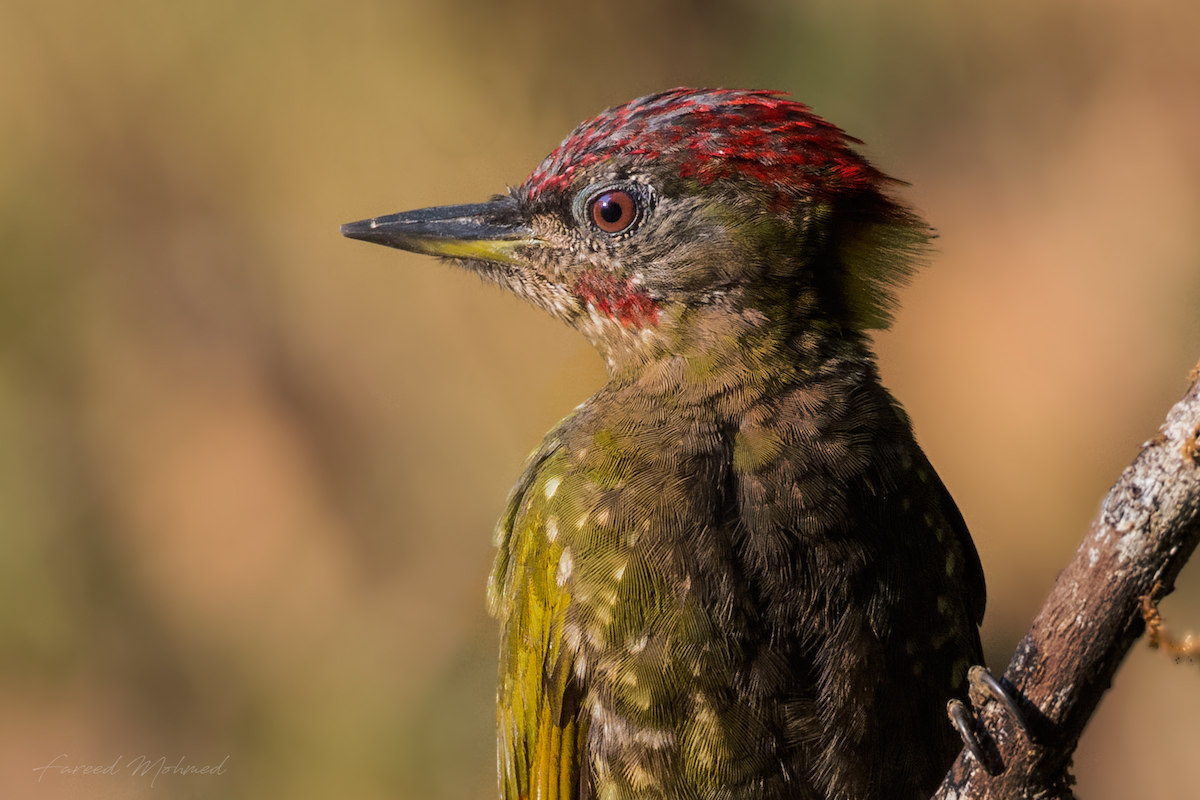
[{"x": 613, "y": 211}]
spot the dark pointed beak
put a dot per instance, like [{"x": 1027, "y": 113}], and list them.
[{"x": 488, "y": 231}]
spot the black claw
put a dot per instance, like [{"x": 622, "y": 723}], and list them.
[
  {"x": 964, "y": 721},
  {"x": 975, "y": 735},
  {"x": 984, "y": 750},
  {"x": 984, "y": 680}
]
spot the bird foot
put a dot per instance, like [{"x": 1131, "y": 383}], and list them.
[
  {"x": 982, "y": 687},
  {"x": 982, "y": 682}
]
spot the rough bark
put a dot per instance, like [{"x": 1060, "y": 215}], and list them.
[{"x": 1147, "y": 528}]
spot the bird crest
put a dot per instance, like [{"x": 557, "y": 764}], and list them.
[{"x": 780, "y": 150}]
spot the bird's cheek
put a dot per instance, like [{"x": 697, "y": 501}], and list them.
[{"x": 618, "y": 299}]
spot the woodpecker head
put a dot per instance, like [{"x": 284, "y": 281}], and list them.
[{"x": 661, "y": 217}]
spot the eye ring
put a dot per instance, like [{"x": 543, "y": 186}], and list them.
[{"x": 613, "y": 211}]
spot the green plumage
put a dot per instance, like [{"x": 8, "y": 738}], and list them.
[
  {"x": 731, "y": 574},
  {"x": 679, "y": 579}
]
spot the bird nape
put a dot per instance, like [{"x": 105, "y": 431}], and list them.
[{"x": 731, "y": 573}]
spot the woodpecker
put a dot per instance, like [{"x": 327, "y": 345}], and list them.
[{"x": 732, "y": 573}]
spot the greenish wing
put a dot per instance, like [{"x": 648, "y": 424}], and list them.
[
  {"x": 970, "y": 578},
  {"x": 961, "y": 572},
  {"x": 540, "y": 731},
  {"x": 976, "y": 588}
]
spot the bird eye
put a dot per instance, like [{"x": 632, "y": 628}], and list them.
[{"x": 613, "y": 211}]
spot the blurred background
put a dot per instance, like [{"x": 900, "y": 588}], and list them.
[{"x": 249, "y": 469}]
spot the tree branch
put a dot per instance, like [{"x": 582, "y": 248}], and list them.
[{"x": 1147, "y": 528}]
